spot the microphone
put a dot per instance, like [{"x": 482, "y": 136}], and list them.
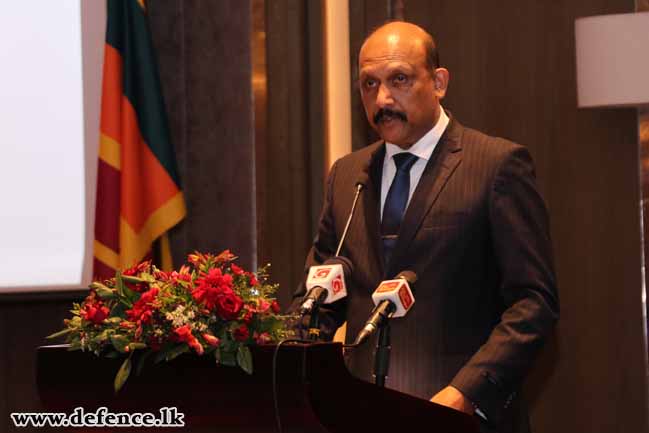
[
  {"x": 393, "y": 298},
  {"x": 325, "y": 284},
  {"x": 361, "y": 181}
]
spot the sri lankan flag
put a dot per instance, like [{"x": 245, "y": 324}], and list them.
[{"x": 138, "y": 192}]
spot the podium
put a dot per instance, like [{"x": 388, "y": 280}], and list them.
[{"x": 315, "y": 393}]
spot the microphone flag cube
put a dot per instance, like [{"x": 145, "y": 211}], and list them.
[
  {"x": 396, "y": 291},
  {"x": 331, "y": 278}
]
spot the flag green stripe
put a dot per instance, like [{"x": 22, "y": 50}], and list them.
[{"x": 128, "y": 32}]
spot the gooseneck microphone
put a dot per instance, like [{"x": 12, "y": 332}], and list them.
[
  {"x": 360, "y": 185},
  {"x": 393, "y": 298}
]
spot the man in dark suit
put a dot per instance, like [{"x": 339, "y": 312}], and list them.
[{"x": 460, "y": 209}]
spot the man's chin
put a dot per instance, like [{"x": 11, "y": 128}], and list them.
[{"x": 393, "y": 134}]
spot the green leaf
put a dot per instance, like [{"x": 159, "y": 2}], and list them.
[
  {"x": 141, "y": 362},
  {"x": 228, "y": 358},
  {"x": 103, "y": 336},
  {"x": 119, "y": 310},
  {"x": 177, "y": 351},
  {"x": 120, "y": 283},
  {"x": 132, "y": 279},
  {"x": 136, "y": 346},
  {"x": 105, "y": 293},
  {"x": 119, "y": 342},
  {"x": 122, "y": 374},
  {"x": 60, "y": 333},
  {"x": 244, "y": 359},
  {"x": 161, "y": 355}
]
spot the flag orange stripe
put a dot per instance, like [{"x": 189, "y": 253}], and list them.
[
  {"x": 112, "y": 93},
  {"x": 146, "y": 185}
]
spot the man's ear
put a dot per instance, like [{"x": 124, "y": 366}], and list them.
[{"x": 440, "y": 78}]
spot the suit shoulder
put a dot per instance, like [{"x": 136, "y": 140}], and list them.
[
  {"x": 359, "y": 157},
  {"x": 493, "y": 148}
]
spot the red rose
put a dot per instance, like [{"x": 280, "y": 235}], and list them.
[
  {"x": 228, "y": 305},
  {"x": 210, "y": 286},
  {"x": 275, "y": 307},
  {"x": 241, "y": 333},
  {"x": 95, "y": 312},
  {"x": 253, "y": 279}
]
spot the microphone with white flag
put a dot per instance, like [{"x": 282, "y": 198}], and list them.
[
  {"x": 325, "y": 284},
  {"x": 393, "y": 298}
]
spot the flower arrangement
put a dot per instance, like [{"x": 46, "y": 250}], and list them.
[{"x": 210, "y": 306}]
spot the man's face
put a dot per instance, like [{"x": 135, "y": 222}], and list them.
[{"x": 398, "y": 91}]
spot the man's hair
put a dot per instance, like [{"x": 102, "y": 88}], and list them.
[{"x": 430, "y": 48}]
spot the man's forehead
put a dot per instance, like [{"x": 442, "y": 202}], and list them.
[
  {"x": 393, "y": 52},
  {"x": 387, "y": 63}
]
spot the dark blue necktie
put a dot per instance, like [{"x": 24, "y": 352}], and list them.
[{"x": 395, "y": 202}]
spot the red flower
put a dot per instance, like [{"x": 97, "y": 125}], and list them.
[
  {"x": 253, "y": 279},
  {"x": 224, "y": 257},
  {"x": 134, "y": 272},
  {"x": 275, "y": 307},
  {"x": 262, "y": 338},
  {"x": 228, "y": 305},
  {"x": 184, "y": 334},
  {"x": 236, "y": 270},
  {"x": 94, "y": 311},
  {"x": 211, "y": 340},
  {"x": 174, "y": 276},
  {"x": 241, "y": 333},
  {"x": 264, "y": 305},
  {"x": 209, "y": 287},
  {"x": 196, "y": 258},
  {"x": 247, "y": 317},
  {"x": 142, "y": 310}
]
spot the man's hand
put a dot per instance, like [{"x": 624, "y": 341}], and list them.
[{"x": 453, "y": 398}]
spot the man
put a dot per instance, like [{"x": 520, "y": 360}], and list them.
[{"x": 461, "y": 210}]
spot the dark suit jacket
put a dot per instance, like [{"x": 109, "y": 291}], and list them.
[{"x": 476, "y": 234}]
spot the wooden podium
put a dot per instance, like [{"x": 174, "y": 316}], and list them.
[{"x": 315, "y": 393}]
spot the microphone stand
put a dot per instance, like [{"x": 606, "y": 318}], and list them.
[
  {"x": 313, "y": 332},
  {"x": 382, "y": 355}
]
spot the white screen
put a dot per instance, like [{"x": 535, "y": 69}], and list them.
[{"x": 46, "y": 182}]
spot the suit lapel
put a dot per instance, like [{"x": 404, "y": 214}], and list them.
[
  {"x": 440, "y": 167},
  {"x": 370, "y": 203}
]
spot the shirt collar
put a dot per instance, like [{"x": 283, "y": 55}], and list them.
[{"x": 426, "y": 145}]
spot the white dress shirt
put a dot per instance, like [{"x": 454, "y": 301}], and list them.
[{"x": 423, "y": 149}]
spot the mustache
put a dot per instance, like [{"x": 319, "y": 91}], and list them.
[{"x": 383, "y": 112}]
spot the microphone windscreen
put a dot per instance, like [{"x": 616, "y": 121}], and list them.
[{"x": 409, "y": 276}]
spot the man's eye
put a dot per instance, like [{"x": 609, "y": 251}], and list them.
[
  {"x": 369, "y": 83},
  {"x": 400, "y": 78}
]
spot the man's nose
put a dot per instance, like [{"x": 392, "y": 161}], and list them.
[{"x": 384, "y": 96}]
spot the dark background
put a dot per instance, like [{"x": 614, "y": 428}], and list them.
[{"x": 512, "y": 74}]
